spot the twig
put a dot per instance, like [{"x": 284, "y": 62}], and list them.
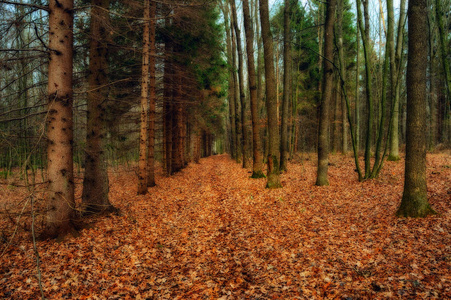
[{"x": 38, "y": 264}]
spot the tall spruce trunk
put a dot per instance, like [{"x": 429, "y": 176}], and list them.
[
  {"x": 257, "y": 167},
  {"x": 152, "y": 98},
  {"x": 286, "y": 87},
  {"x": 60, "y": 193},
  {"x": 324, "y": 122},
  {"x": 273, "y": 172},
  {"x": 414, "y": 201},
  {"x": 95, "y": 183},
  {"x": 143, "y": 138}
]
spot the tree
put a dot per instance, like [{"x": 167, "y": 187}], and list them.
[
  {"x": 323, "y": 133},
  {"x": 286, "y": 86},
  {"x": 152, "y": 97},
  {"x": 414, "y": 201},
  {"x": 241, "y": 84},
  {"x": 257, "y": 167},
  {"x": 95, "y": 183},
  {"x": 143, "y": 138},
  {"x": 273, "y": 173},
  {"x": 60, "y": 195}
]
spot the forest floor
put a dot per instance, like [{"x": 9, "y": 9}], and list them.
[{"x": 211, "y": 232}]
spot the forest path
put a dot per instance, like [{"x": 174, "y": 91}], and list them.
[{"x": 211, "y": 232}]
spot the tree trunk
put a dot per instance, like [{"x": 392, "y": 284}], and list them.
[
  {"x": 231, "y": 88},
  {"x": 396, "y": 86},
  {"x": 152, "y": 98},
  {"x": 340, "y": 12},
  {"x": 323, "y": 133},
  {"x": 414, "y": 201},
  {"x": 241, "y": 85},
  {"x": 236, "y": 95},
  {"x": 143, "y": 138},
  {"x": 273, "y": 173},
  {"x": 365, "y": 33},
  {"x": 286, "y": 86},
  {"x": 257, "y": 167},
  {"x": 444, "y": 46},
  {"x": 95, "y": 183},
  {"x": 60, "y": 195}
]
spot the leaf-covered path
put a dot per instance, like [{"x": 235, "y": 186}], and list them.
[{"x": 210, "y": 232}]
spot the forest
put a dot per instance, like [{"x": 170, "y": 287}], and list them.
[{"x": 225, "y": 149}]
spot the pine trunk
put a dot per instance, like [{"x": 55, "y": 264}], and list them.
[
  {"x": 95, "y": 183},
  {"x": 143, "y": 138},
  {"x": 152, "y": 98},
  {"x": 60, "y": 195}
]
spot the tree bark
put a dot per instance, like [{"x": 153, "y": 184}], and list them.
[
  {"x": 231, "y": 87},
  {"x": 273, "y": 173},
  {"x": 241, "y": 85},
  {"x": 60, "y": 195},
  {"x": 152, "y": 98},
  {"x": 95, "y": 183},
  {"x": 286, "y": 87},
  {"x": 323, "y": 133},
  {"x": 414, "y": 201},
  {"x": 340, "y": 13},
  {"x": 257, "y": 167},
  {"x": 143, "y": 138}
]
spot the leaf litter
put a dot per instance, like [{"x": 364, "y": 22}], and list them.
[{"x": 211, "y": 232}]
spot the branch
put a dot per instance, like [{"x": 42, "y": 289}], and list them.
[{"x": 46, "y": 8}]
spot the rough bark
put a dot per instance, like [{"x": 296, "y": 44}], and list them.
[
  {"x": 286, "y": 87},
  {"x": 143, "y": 138},
  {"x": 414, "y": 201},
  {"x": 323, "y": 134},
  {"x": 60, "y": 194},
  {"x": 273, "y": 173},
  {"x": 257, "y": 167},
  {"x": 152, "y": 98},
  {"x": 95, "y": 183}
]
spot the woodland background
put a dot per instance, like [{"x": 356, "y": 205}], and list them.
[{"x": 114, "y": 121}]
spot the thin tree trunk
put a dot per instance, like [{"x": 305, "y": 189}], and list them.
[
  {"x": 236, "y": 95},
  {"x": 364, "y": 30},
  {"x": 231, "y": 88},
  {"x": 257, "y": 167},
  {"x": 60, "y": 194},
  {"x": 357, "y": 90},
  {"x": 323, "y": 133},
  {"x": 152, "y": 98},
  {"x": 95, "y": 183},
  {"x": 273, "y": 173},
  {"x": 414, "y": 201},
  {"x": 241, "y": 86},
  {"x": 340, "y": 12},
  {"x": 143, "y": 138},
  {"x": 444, "y": 46},
  {"x": 286, "y": 87}
]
